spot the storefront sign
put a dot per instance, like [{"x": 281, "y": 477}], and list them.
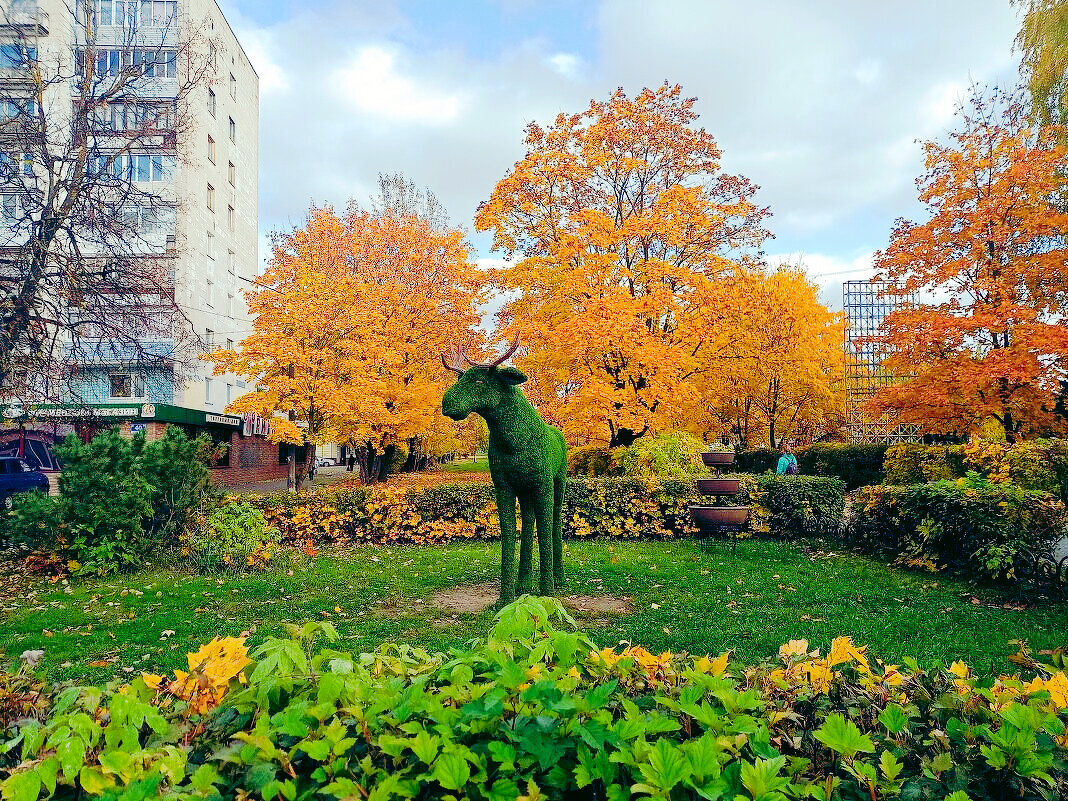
[
  {"x": 137, "y": 428},
  {"x": 88, "y": 412},
  {"x": 222, "y": 419},
  {"x": 254, "y": 425}
]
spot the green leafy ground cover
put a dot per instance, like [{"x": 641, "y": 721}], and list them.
[{"x": 685, "y": 596}]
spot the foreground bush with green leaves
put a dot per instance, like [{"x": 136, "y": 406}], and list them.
[
  {"x": 535, "y": 711},
  {"x": 970, "y": 525}
]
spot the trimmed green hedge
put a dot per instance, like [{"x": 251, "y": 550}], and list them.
[
  {"x": 792, "y": 506},
  {"x": 969, "y": 525},
  {"x": 914, "y": 463},
  {"x": 593, "y": 507},
  {"x": 856, "y": 465}
]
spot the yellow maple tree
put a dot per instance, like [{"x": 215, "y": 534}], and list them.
[
  {"x": 349, "y": 322},
  {"x": 784, "y": 379},
  {"x": 630, "y": 242}
]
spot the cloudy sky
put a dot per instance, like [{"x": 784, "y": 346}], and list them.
[{"x": 821, "y": 102}]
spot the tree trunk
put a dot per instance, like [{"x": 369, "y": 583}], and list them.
[
  {"x": 411, "y": 464},
  {"x": 624, "y": 437}
]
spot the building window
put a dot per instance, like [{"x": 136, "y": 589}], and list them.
[
  {"x": 211, "y": 103},
  {"x": 209, "y": 338},
  {"x": 231, "y": 217},
  {"x": 9, "y": 210},
  {"x": 13, "y": 108},
  {"x": 229, "y": 305},
  {"x": 136, "y": 61},
  {"x": 211, "y": 197},
  {"x": 124, "y": 116},
  {"x": 134, "y": 13},
  {"x": 233, "y": 86},
  {"x": 143, "y": 167},
  {"x": 211, "y": 295},
  {"x": 229, "y": 344},
  {"x": 229, "y": 393},
  {"x": 207, "y": 391},
  {"x": 233, "y": 130},
  {"x": 120, "y": 385},
  {"x": 211, "y": 149},
  {"x": 231, "y": 261},
  {"x": 209, "y": 247},
  {"x": 16, "y": 56},
  {"x": 231, "y": 173}
]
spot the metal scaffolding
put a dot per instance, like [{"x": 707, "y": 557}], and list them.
[{"x": 867, "y": 304}]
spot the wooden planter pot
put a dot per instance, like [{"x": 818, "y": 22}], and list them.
[
  {"x": 717, "y": 458},
  {"x": 736, "y": 516},
  {"x": 718, "y": 486}
]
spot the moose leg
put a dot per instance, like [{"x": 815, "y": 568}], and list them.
[
  {"x": 506, "y": 515},
  {"x": 524, "y": 583},
  {"x": 558, "y": 532},
  {"x": 544, "y": 513}
]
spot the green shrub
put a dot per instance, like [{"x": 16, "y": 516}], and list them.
[
  {"x": 34, "y": 519},
  {"x": 232, "y": 538},
  {"x": 118, "y": 498},
  {"x": 105, "y": 502},
  {"x": 970, "y": 525},
  {"x": 759, "y": 460},
  {"x": 856, "y": 465},
  {"x": 594, "y": 461},
  {"x": 177, "y": 469},
  {"x": 790, "y": 506},
  {"x": 671, "y": 454},
  {"x": 915, "y": 463},
  {"x": 1035, "y": 464},
  {"x": 535, "y": 710}
]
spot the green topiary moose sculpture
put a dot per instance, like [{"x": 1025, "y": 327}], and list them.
[{"x": 527, "y": 461}]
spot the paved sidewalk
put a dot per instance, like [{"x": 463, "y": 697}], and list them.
[{"x": 324, "y": 477}]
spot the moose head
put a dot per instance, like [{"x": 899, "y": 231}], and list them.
[{"x": 482, "y": 388}]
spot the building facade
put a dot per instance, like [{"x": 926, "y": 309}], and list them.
[{"x": 175, "y": 140}]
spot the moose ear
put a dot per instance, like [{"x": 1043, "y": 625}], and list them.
[{"x": 511, "y": 375}]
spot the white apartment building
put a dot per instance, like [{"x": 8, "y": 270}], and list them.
[{"x": 202, "y": 176}]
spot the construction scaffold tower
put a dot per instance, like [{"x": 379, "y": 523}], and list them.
[{"x": 867, "y": 304}]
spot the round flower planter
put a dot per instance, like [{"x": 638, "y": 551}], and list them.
[
  {"x": 718, "y": 486},
  {"x": 717, "y": 458},
  {"x": 720, "y": 515}
]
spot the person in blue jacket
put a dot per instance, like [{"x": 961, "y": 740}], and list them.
[{"x": 787, "y": 462}]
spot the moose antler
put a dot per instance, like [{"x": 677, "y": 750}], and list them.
[
  {"x": 454, "y": 366},
  {"x": 499, "y": 360}
]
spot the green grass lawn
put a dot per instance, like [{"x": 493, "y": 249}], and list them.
[
  {"x": 685, "y": 596},
  {"x": 480, "y": 464}
]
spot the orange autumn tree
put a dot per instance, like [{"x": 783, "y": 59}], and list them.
[
  {"x": 628, "y": 237},
  {"x": 785, "y": 375},
  {"x": 986, "y": 340},
  {"x": 349, "y": 321}
]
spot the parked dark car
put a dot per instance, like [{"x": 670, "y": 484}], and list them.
[{"x": 17, "y": 476}]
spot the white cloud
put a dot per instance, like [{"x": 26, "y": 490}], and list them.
[
  {"x": 828, "y": 272},
  {"x": 566, "y": 64},
  {"x": 259, "y": 45},
  {"x": 820, "y": 104},
  {"x": 372, "y": 83}
]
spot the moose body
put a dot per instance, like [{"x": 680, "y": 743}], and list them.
[{"x": 528, "y": 464}]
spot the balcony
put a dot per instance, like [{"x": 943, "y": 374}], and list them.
[{"x": 26, "y": 23}]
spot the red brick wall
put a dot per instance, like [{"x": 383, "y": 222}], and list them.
[{"x": 252, "y": 459}]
